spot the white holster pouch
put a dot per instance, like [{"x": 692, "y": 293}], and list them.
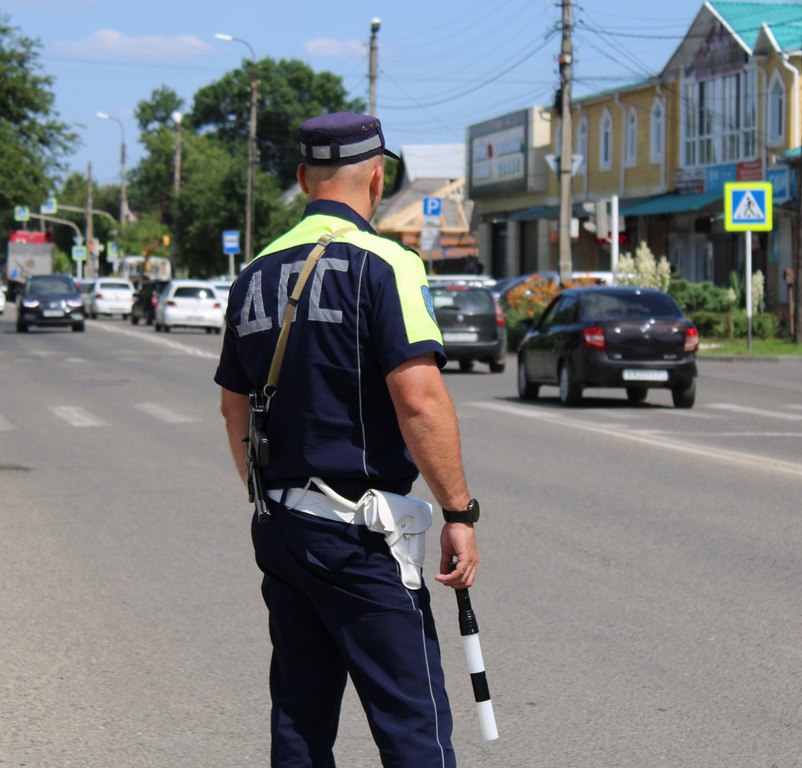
[{"x": 402, "y": 520}]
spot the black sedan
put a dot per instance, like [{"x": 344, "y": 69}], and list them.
[
  {"x": 635, "y": 338},
  {"x": 48, "y": 300},
  {"x": 472, "y": 325}
]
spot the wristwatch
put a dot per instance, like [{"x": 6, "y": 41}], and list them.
[{"x": 468, "y": 515}]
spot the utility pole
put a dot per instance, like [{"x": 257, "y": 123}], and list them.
[
  {"x": 177, "y": 118},
  {"x": 566, "y": 153},
  {"x": 249, "y": 202},
  {"x": 373, "y": 72},
  {"x": 90, "y": 229}
]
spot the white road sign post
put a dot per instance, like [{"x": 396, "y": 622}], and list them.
[
  {"x": 747, "y": 209},
  {"x": 430, "y": 226}
]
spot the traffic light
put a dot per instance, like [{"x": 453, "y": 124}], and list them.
[{"x": 599, "y": 222}]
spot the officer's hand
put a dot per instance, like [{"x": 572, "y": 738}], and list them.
[{"x": 458, "y": 540}]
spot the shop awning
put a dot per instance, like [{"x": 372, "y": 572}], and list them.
[{"x": 671, "y": 203}]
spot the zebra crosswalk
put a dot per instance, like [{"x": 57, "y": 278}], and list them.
[{"x": 81, "y": 417}]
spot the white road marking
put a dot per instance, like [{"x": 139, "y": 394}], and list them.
[
  {"x": 163, "y": 414},
  {"x": 756, "y": 411},
  {"x": 160, "y": 340},
  {"x": 752, "y": 461},
  {"x": 76, "y": 416},
  {"x": 5, "y": 424}
]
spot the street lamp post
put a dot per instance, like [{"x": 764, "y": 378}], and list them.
[
  {"x": 123, "y": 192},
  {"x": 249, "y": 202}
]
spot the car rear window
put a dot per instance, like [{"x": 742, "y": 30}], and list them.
[
  {"x": 114, "y": 285},
  {"x": 194, "y": 292},
  {"x": 626, "y": 305},
  {"x": 467, "y": 300}
]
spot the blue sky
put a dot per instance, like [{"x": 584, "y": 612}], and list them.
[{"x": 442, "y": 65}]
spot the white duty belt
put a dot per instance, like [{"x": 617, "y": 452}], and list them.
[{"x": 402, "y": 520}]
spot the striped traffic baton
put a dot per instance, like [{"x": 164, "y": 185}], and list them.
[{"x": 469, "y": 629}]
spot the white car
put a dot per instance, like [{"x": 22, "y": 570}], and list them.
[
  {"x": 189, "y": 304},
  {"x": 223, "y": 287},
  {"x": 110, "y": 296},
  {"x": 2, "y": 299}
]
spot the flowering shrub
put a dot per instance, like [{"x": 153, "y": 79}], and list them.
[{"x": 527, "y": 302}]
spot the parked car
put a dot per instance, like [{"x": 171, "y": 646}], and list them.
[
  {"x": 85, "y": 286},
  {"x": 2, "y": 299},
  {"x": 110, "y": 296},
  {"x": 471, "y": 280},
  {"x": 223, "y": 287},
  {"x": 50, "y": 300},
  {"x": 144, "y": 307},
  {"x": 635, "y": 338},
  {"x": 472, "y": 325},
  {"x": 189, "y": 304},
  {"x": 504, "y": 285}
]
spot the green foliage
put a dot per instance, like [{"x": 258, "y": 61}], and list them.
[
  {"x": 701, "y": 297},
  {"x": 62, "y": 263},
  {"x": 289, "y": 93},
  {"x": 32, "y": 140},
  {"x": 157, "y": 112}
]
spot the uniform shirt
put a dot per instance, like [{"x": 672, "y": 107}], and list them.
[{"x": 365, "y": 309}]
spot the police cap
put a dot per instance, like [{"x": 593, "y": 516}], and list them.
[{"x": 341, "y": 138}]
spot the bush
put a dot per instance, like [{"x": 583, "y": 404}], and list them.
[
  {"x": 701, "y": 297},
  {"x": 764, "y": 326},
  {"x": 713, "y": 325}
]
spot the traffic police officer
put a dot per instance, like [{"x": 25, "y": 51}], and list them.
[{"x": 360, "y": 404}]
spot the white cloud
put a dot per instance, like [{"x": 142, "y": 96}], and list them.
[
  {"x": 109, "y": 43},
  {"x": 328, "y": 48}
]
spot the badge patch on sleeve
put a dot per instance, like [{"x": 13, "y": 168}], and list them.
[{"x": 427, "y": 300}]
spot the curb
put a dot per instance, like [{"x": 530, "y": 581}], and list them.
[{"x": 748, "y": 359}]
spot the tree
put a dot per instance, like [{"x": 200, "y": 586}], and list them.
[
  {"x": 32, "y": 138},
  {"x": 158, "y": 110},
  {"x": 289, "y": 93}
]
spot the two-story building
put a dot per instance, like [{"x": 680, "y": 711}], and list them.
[{"x": 725, "y": 107}]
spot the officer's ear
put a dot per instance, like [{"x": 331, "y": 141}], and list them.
[
  {"x": 377, "y": 180},
  {"x": 300, "y": 174}
]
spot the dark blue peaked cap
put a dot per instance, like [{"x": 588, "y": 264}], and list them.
[{"x": 341, "y": 138}]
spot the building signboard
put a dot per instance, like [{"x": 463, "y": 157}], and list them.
[
  {"x": 497, "y": 155},
  {"x": 719, "y": 55}
]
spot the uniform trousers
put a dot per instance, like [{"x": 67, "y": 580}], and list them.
[{"x": 337, "y": 608}]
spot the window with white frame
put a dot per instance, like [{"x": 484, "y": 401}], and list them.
[
  {"x": 719, "y": 119},
  {"x": 606, "y": 142},
  {"x": 631, "y": 139},
  {"x": 776, "y": 108},
  {"x": 582, "y": 143},
  {"x": 657, "y": 132}
]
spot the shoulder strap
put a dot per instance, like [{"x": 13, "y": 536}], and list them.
[{"x": 292, "y": 303}]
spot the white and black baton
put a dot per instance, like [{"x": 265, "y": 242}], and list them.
[{"x": 469, "y": 629}]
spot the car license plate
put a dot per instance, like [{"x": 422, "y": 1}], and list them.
[
  {"x": 52, "y": 313},
  {"x": 645, "y": 375},
  {"x": 454, "y": 336}
]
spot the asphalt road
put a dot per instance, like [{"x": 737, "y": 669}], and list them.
[{"x": 638, "y": 597}]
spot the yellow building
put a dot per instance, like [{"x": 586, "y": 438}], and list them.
[{"x": 725, "y": 107}]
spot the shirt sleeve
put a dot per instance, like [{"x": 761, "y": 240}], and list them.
[
  {"x": 230, "y": 374},
  {"x": 403, "y": 320}
]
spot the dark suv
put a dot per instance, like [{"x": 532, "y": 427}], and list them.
[
  {"x": 472, "y": 326},
  {"x": 50, "y": 300},
  {"x": 145, "y": 301}
]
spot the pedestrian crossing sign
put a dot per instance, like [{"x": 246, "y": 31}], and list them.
[{"x": 747, "y": 206}]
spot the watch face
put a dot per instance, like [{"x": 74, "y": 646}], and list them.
[{"x": 473, "y": 509}]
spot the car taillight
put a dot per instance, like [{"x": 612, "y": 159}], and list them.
[
  {"x": 691, "y": 340},
  {"x": 499, "y": 314},
  {"x": 171, "y": 303},
  {"x": 217, "y": 305},
  {"x": 594, "y": 337},
  {"x": 98, "y": 295}
]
